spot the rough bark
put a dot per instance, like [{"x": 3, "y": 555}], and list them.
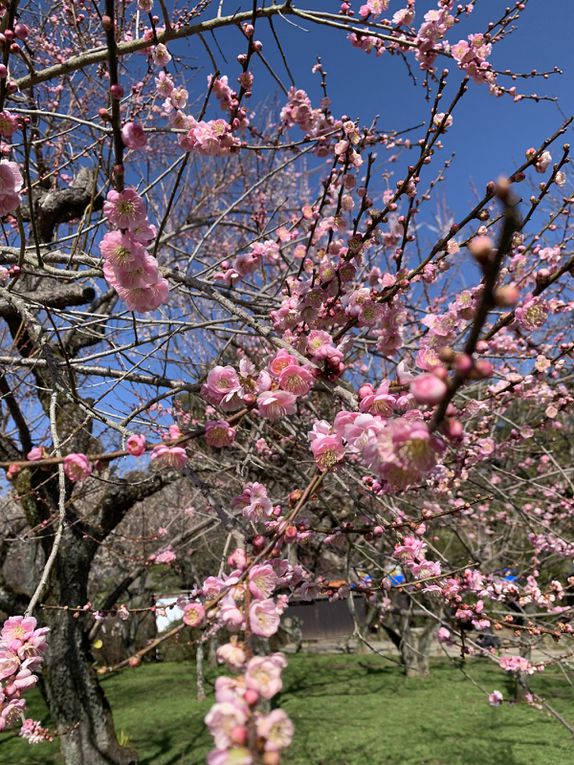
[{"x": 78, "y": 705}]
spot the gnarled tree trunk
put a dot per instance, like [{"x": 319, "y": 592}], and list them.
[{"x": 78, "y": 705}]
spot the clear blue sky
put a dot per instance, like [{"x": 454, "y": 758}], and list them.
[{"x": 489, "y": 135}]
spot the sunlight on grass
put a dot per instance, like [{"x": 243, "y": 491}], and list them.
[{"x": 348, "y": 710}]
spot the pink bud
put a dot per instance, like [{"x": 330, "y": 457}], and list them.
[
  {"x": 463, "y": 363},
  {"x": 21, "y": 31},
  {"x": 428, "y": 389},
  {"x": 251, "y": 697}
]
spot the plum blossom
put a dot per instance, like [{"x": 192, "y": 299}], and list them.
[
  {"x": 262, "y": 580},
  {"x": 77, "y": 467},
  {"x": 136, "y": 444},
  {"x": 254, "y": 502},
  {"x": 218, "y": 433},
  {"x": 516, "y": 664},
  {"x": 263, "y": 674},
  {"x": 8, "y": 124},
  {"x": 34, "y": 732},
  {"x": 11, "y": 183},
  {"x": 133, "y": 135},
  {"x": 169, "y": 456},
  {"x": 193, "y": 614},
  {"x": 222, "y": 718},
  {"x": 402, "y": 452},
  {"x": 273, "y": 405},
  {"x": 223, "y": 388},
  {"x": 232, "y": 654},
  {"x": 277, "y": 730},
  {"x": 532, "y": 314},
  {"x": 495, "y": 698},
  {"x": 296, "y": 379},
  {"x": 327, "y": 447},
  {"x": 213, "y": 138},
  {"x": 145, "y": 299},
  {"x": 166, "y": 556},
  {"x": 428, "y": 389},
  {"x": 22, "y": 646},
  {"x": 124, "y": 209},
  {"x": 471, "y": 55},
  {"x": 264, "y": 618}
]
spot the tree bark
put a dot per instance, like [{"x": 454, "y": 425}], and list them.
[{"x": 78, "y": 705}]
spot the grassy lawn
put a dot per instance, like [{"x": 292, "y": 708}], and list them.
[{"x": 348, "y": 710}]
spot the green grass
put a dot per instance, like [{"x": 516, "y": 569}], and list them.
[{"x": 348, "y": 710}]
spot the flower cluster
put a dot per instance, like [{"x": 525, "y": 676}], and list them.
[
  {"x": 243, "y": 729},
  {"x": 128, "y": 267},
  {"x": 212, "y": 138},
  {"x": 22, "y": 646},
  {"x": 411, "y": 554},
  {"x": 275, "y": 390},
  {"x": 399, "y": 451},
  {"x": 471, "y": 55}
]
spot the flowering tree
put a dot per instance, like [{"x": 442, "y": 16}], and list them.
[{"x": 186, "y": 308}]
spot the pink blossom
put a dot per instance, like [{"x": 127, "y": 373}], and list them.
[
  {"x": 230, "y": 615},
  {"x": 34, "y": 733},
  {"x": 193, "y": 614},
  {"x": 133, "y": 135},
  {"x": 277, "y": 730},
  {"x": 77, "y": 467},
  {"x": 263, "y": 674},
  {"x": 218, "y": 433},
  {"x": 532, "y": 314},
  {"x": 169, "y": 456},
  {"x": 263, "y": 618},
  {"x": 516, "y": 664},
  {"x": 213, "y": 138},
  {"x": 471, "y": 55},
  {"x": 273, "y": 405},
  {"x": 238, "y": 559},
  {"x": 8, "y": 124},
  {"x": 164, "y": 84},
  {"x": 120, "y": 249},
  {"x": 428, "y": 389},
  {"x": 495, "y": 698},
  {"x": 11, "y": 183},
  {"x": 443, "y": 635},
  {"x": 36, "y": 453},
  {"x": 139, "y": 273},
  {"x": 543, "y": 162},
  {"x": 135, "y": 445},
  {"x": 145, "y": 299},
  {"x": 160, "y": 55},
  {"x": 296, "y": 379},
  {"x": 402, "y": 452},
  {"x": 262, "y": 580},
  {"x": 222, "y": 718},
  {"x": 232, "y": 654},
  {"x": 327, "y": 451},
  {"x": 11, "y": 712},
  {"x": 378, "y": 401},
  {"x": 222, "y": 387},
  {"x": 164, "y": 556},
  {"x": 124, "y": 209},
  {"x": 281, "y": 361},
  {"x": 17, "y": 630},
  {"x": 254, "y": 502}
]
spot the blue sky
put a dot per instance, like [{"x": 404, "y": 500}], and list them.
[{"x": 490, "y": 134}]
